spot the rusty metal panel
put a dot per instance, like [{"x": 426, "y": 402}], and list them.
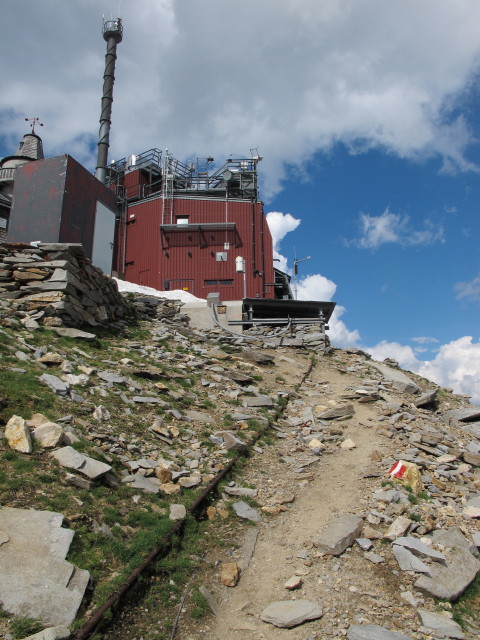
[
  {"x": 37, "y": 201},
  {"x": 55, "y": 201},
  {"x": 82, "y": 191}
]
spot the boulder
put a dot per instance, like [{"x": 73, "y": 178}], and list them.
[
  {"x": 231, "y": 442},
  {"x": 339, "y": 534},
  {"x": 258, "y": 401},
  {"x": 397, "y": 528},
  {"x": 465, "y": 414},
  {"x": 177, "y": 512},
  {"x": 18, "y": 435},
  {"x": 48, "y": 434},
  {"x": 70, "y": 332},
  {"x": 426, "y": 398},
  {"x": 241, "y": 491},
  {"x": 230, "y": 574}
]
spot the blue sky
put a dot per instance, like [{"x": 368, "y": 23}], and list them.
[{"x": 366, "y": 113}]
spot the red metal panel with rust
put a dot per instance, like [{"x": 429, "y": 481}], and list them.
[
  {"x": 82, "y": 191},
  {"x": 55, "y": 201},
  {"x": 178, "y": 260},
  {"x": 37, "y": 201}
]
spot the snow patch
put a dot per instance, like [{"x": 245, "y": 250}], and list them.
[{"x": 177, "y": 294}]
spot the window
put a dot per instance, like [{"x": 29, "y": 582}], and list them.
[
  {"x": 182, "y": 219},
  {"x": 216, "y": 283}
]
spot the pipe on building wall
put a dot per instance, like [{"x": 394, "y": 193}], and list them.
[
  {"x": 112, "y": 33},
  {"x": 262, "y": 245},
  {"x": 254, "y": 245}
]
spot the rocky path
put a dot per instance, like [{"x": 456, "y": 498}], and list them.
[{"x": 353, "y": 589}]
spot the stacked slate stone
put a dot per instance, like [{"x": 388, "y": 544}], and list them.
[
  {"x": 166, "y": 310},
  {"x": 57, "y": 281},
  {"x": 299, "y": 336}
]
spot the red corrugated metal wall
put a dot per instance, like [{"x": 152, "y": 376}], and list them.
[{"x": 187, "y": 259}]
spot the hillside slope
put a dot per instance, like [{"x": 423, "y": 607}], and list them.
[{"x": 165, "y": 408}]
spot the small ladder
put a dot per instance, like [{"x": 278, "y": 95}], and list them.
[{"x": 168, "y": 174}]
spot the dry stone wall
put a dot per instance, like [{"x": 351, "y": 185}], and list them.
[{"x": 57, "y": 284}]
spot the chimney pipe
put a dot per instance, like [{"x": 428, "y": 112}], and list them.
[{"x": 112, "y": 33}]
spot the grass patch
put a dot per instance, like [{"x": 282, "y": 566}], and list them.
[
  {"x": 23, "y": 627},
  {"x": 467, "y": 608},
  {"x": 25, "y": 394},
  {"x": 200, "y": 606}
]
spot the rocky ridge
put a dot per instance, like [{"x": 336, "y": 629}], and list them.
[{"x": 152, "y": 416}]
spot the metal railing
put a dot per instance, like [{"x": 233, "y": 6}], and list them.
[{"x": 7, "y": 174}]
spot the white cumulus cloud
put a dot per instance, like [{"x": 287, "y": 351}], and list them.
[
  {"x": 292, "y": 78},
  {"x": 315, "y": 287},
  {"x": 468, "y": 290},
  {"x": 456, "y": 365},
  {"x": 391, "y": 228},
  {"x": 280, "y": 224}
]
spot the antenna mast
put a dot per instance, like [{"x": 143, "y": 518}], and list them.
[{"x": 112, "y": 34}]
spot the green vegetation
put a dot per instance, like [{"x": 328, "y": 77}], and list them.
[
  {"x": 467, "y": 608},
  {"x": 200, "y": 605},
  {"x": 115, "y": 528},
  {"x": 23, "y": 627}
]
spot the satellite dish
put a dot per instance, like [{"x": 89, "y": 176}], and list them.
[{"x": 227, "y": 175}]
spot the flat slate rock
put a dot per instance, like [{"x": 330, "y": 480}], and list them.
[
  {"x": 400, "y": 381},
  {"x": 141, "y": 483},
  {"x": 241, "y": 491},
  {"x": 58, "y": 386},
  {"x": 258, "y": 401},
  {"x": 373, "y": 632},
  {"x": 70, "y": 332},
  {"x": 442, "y": 625},
  {"x": 290, "y": 613},
  {"x": 426, "y": 398},
  {"x": 243, "y": 510},
  {"x": 199, "y": 416},
  {"x": 36, "y": 580},
  {"x": 452, "y": 538},
  {"x": 72, "y": 459},
  {"x": 111, "y": 376},
  {"x": 467, "y": 414},
  {"x": 409, "y": 562},
  {"x": 258, "y": 356},
  {"x": 51, "y": 633},
  {"x": 419, "y": 548},
  {"x": 339, "y": 534},
  {"x": 340, "y": 411},
  {"x": 451, "y": 581}
]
